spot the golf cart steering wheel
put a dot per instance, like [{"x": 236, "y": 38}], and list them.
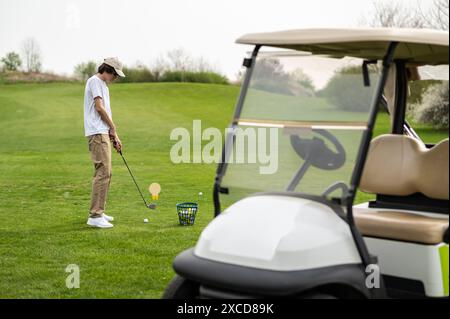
[
  {"x": 317, "y": 152},
  {"x": 335, "y": 186}
]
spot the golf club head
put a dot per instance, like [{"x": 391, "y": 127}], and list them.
[{"x": 151, "y": 206}]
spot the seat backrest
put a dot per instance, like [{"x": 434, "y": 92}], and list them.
[{"x": 400, "y": 165}]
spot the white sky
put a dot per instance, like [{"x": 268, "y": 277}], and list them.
[{"x": 70, "y": 31}]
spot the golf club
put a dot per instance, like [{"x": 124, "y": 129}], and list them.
[{"x": 150, "y": 206}]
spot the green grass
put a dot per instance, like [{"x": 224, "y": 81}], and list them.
[
  {"x": 263, "y": 105},
  {"x": 45, "y": 185}
]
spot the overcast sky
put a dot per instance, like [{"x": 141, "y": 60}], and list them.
[{"x": 70, "y": 32}]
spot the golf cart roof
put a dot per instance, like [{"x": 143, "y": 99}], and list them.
[{"x": 418, "y": 46}]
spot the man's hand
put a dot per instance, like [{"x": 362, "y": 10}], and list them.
[
  {"x": 117, "y": 143},
  {"x": 112, "y": 132}
]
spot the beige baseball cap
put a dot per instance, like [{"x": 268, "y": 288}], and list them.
[{"x": 116, "y": 64}]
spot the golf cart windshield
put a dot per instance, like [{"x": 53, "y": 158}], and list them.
[{"x": 306, "y": 116}]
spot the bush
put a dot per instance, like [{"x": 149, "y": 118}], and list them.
[
  {"x": 196, "y": 77},
  {"x": 418, "y": 88},
  {"x": 345, "y": 90},
  {"x": 161, "y": 71},
  {"x": 32, "y": 77},
  {"x": 270, "y": 76},
  {"x": 137, "y": 74},
  {"x": 434, "y": 106}
]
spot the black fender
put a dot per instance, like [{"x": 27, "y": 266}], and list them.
[{"x": 269, "y": 283}]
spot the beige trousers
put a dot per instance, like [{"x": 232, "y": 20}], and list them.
[{"x": 100, "y": 149}]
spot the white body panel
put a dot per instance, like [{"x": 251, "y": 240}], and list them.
[
  {"x": 278, "y": 233},
  {"x": 409, "y": 260}
]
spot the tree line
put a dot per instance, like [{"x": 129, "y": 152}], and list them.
[
  {"x": 30, "y": 60},
  {"x": 174, "y": 66}
]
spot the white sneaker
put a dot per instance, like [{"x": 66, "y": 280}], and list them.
[
  {"x": 99, "y": 222},
  {"x": 108, "y": 218}
]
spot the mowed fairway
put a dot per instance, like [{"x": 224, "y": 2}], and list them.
[{"x": 45, "y": 181}]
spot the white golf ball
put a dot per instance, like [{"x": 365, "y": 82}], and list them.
[
  {"x": 200, "y": 194},
  {"x": 145, "y": 220}
]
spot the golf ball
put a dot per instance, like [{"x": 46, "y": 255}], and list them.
[
  {"x": 145, "y": 220},
  {"x": 200, "y": 194}
]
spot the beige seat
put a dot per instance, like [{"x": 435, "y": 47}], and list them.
[
  {"x": 400, "y": 226},
  {"x": 400, "y": 166}
]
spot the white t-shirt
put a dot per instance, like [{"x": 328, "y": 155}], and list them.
[{"x": 93, "y": 123}]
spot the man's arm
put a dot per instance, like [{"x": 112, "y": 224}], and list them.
[{"x": 105, "y": 117}]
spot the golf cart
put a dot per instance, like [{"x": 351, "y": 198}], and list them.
[{"x": 299, "y": 232}]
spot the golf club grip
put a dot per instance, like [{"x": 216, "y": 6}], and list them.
[{"x": 114, "y": 144}]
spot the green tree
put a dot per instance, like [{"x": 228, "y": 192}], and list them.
[
  {"x": 83, "y": 71},
  {"x": 345, "y": 90},
  {"x": 12, "y": 61},
  {"x": 304, "y": 80}
]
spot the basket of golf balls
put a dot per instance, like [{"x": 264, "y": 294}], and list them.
[{"x": 187, "y": 213}]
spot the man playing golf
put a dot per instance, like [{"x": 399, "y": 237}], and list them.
[{"x": 100, "y": 130}]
